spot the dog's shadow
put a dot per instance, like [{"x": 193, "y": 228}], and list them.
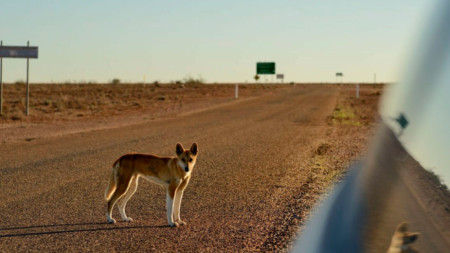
[{"x": 70, "y": 228}]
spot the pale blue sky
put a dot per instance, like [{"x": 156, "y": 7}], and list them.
[{"x": 220, "y": 41}]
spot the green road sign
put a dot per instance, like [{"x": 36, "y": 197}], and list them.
[{"x": 265, "y": 68}]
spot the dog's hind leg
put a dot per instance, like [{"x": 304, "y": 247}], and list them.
[
  {"x": 122, "y": 186},
  {"x": 111, "y": 187},
  {"x": 122, "y": 202}
]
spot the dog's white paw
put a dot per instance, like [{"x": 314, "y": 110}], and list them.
[
  {"x": 175, "y": 224},
  {"x": 128, "y": 219},
  {"x": 111, "y": 220},
  {"x": 181, "y": 223}
]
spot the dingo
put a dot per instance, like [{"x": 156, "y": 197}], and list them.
[
  {"x": 172, "y": 172},
  {"x": 402, "y": 240}
]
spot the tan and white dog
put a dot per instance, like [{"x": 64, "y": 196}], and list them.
[
  {"x": 171, "y": 172},
  {"x": 402, "y": 240}
]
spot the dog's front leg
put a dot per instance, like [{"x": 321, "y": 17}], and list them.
[
  {"x": 171, "y": 191},
  {"x": 177, "y": 201}
]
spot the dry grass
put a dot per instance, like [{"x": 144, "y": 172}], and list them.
[{"x": 72, "y": 101}]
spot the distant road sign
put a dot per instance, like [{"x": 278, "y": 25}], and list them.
[
  {"x": 265, "y": 68},
  {"x": 18, "y": 52}
]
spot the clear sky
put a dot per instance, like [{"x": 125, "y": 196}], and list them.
[{"x": 220, "y": 41}]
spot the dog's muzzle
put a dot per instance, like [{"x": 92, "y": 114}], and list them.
[{"x": 186, "y": 169}]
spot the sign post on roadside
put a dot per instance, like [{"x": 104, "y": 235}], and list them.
[
  {"x": 280, "y": 76},
  {"x": 357, "y": 90},
  {"x": 1, "y": 82},
  {"x": 265, "y": 68},
  {"x": 339, "y": 75},
  {"x": 16, "y": 52}
]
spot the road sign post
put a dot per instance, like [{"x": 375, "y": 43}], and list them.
[
  {"x": 1, "y": 82},
  {"x": 280, "y": 76},
  {"x": 265, "y": 68},
  {"x": 339, "y": 75},
  {"x": 28, "y": 84},
  {"x": 16, "y": 52},
  {"x": 357, "y": 90}
]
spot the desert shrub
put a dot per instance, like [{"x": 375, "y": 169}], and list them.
[
  {"x": 322, "y": 149},
  {"x": 192, "y": 80},
  {"x": 436, "y": 179},
  {"x": 115, "y": 81}
]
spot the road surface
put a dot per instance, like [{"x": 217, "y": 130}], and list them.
[{"x": 252, "y": 157}]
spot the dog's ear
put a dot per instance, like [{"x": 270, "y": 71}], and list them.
[
  {"x": 411, "y": 237},
  {"x": 402, "y": 227},
  {"x": 179, "y": 149},
  {"x": 194, "y": 149}
]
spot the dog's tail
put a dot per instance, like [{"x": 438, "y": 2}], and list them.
[{"x": 112, "y": 183}]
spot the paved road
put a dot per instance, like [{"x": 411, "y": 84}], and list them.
[{"x": 252, "y": 160}]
